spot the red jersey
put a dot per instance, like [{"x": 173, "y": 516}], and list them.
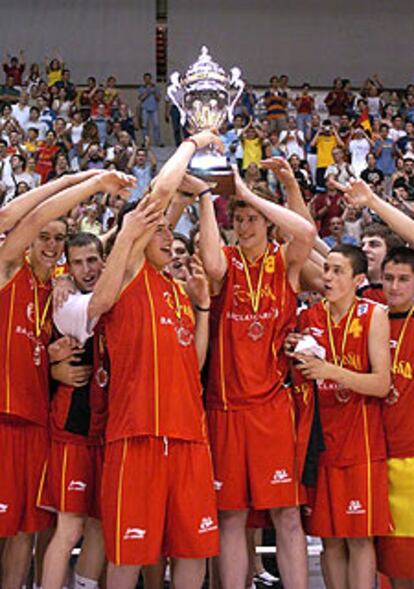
[
  {"x": 351, "y": 423},
  {"x": 24, "y": 374},
  {"x": 245, "y": 369},
  {"x": 398, "y": 406},
  {"x": 155, "y": 387},
  {"x": 373, "y": 292},
  {"x": 78, "y": 415}
]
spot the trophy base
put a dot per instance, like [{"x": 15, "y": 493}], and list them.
[{"x": 213, "y": 168}]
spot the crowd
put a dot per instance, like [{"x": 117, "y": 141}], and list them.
[{"x": 181, "y": 366}]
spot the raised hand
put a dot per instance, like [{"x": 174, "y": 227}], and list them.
[
  {"x": 144, "y": 217},
  {"x": 116, "y": 183},
  {"x": 358, "y": 194},
  {"x": 196, "y": 283},
  {"x": 205, "y": 138},
  {"x": 63, "y": 287},
  {"x": 280, "y": 167}
]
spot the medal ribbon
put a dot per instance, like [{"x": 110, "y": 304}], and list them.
[
  {"x": 400, "y": 340},
  {"x": 177, "y": 309},
  {"x": 254, "y": 296},
  {"x": 344, "y": 339},
  {"x": 39, "y": 318}
]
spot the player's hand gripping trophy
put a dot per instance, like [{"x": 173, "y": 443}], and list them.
[{"x": 205, "y": 96}]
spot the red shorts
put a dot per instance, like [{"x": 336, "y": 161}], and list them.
[
  {"x": 23, "y": 450},
  {"x": 254, "y": 456},
  {"x": 395, "y": 557},
  {"x": 72, "y": 481},
  {"x": 158, "y": 498},
  {"x": 349, "y": 502}
]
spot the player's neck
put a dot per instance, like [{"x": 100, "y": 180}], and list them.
[
  {"x": 41, "y": 271},
  {"x": 341, "y": 307},
  {"x": 374, "y": 276},
  {"x": 255, "y": 252},
  {"x": 403, "y": 308}
]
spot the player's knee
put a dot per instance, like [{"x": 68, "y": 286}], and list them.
[
  {"x": 358, "y": 544},
  {"x": 333, "y": 545},
  {"x": 232, "y": 520},
  {"x": 287, "y": 520},
  {"x": 69, "y": 530}
]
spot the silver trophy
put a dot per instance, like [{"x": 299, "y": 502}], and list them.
[{"x": 206, "y": 97}]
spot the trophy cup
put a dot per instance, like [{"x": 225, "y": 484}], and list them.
[{"x": 205, "y": 97}]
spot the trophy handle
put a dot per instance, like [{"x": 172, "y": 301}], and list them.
[
  {"x": 238, "y": 83},
  {"x": 175, "y": 94}
]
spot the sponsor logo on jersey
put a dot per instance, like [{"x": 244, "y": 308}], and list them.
[
  {"x": 217, "y": 485},
  {"x": 355, "y": 507},
  {"x": 207, "y": 525},
  {"x": 3, "y": 507},
  {"x": 134, "y": 534},
  {"x": 281, "y": 476},
  {"x": 362, "y": 309},
  {"x": 77, "y": 486},
  {"x": 393, "y": 344}
]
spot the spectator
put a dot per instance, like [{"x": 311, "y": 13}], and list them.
[
  {"x": 45, "y": 155},
  {"x": 75, "y": 127},
  {"x": 54, "y": 70},
  {"x": 337, "y": 99},
  {"x": 396, "y": 132},
  {"x": 100, "y": 118},
  {"x": 372, "y": 174},
  {"x": 384, "y": 152},
  {"x": 359, "y": 147},
  {"x": 20, "y": 111},
  {"x": 61, "y": 105},
  {"x": 409, "y": 107},
  {"x": 31, "y": 170},
  {"x": 60, "y": 166},
  {"x": 33, "y": 78},
  {"x": 66, "y": 84},
  {"x": 248, "y": 101},
  {"x": 126, "y": 120},
  {"x": 143, "y": 165},
  {"x": 374, "y": 101},
  {"x": 85, "y": 98},
  {"x": 305, "y": 104},
  {"x": 94, "y": 157},
  {"x": 9, "y": 94},
  {"x": 325, "y": 206},
  {"x": 325, "y": 140},
  {"x": 89, "y": 222},
  {"x": 406, "y": 142},
  {"x": 62, "y": 135},
  {"x": 111, "y": 94},
  {"x": 276, "y": 102},
  {"x": 34, "y": 122},
  {"x": 148, "y": 101},
  {"x": 292, "y": 140},
  {"x": 46, "y": 113},
  {"x": 340, "y": 172},
  {"x": 32, "y": 143},
  {"x": 252, "y": 146},
  {"x": 14, "y": 68},
  {"x": 337, "y": 233}
]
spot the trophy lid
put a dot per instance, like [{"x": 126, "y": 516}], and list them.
[{"x": 204, "y": 72}]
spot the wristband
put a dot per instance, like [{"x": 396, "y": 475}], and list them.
[
  {"x": 202, "y": 309},
  {"x": 204, "y": 192},
  {"x": 193, "y": 141}
]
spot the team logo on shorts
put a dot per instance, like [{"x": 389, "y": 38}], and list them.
[
  {"x": 77, "y": 486},
  {"x": 3, "y": 507},
  {"x": 134, "y": 534},
  {"x": 207, "y": 525},
  {"x": 307, "y": 510},
  {"x": 281, "y": 476},
  {"x": 217, "y": 485},
  {"x": 355, "y": 508}
]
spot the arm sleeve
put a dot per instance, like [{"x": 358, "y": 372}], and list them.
[{"x": 72, "y": 318}]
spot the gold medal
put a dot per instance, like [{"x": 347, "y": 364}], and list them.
[
  {"x": 341, "y": 394},
  {"x": 256, "y": 329}
]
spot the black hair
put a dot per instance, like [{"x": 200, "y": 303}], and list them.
[
  {"x": 355, "y": 255},
  {"x": 400, "y": 255},
  {"x": 82, "y": 239},
  {"x": 378, "y": 230}
]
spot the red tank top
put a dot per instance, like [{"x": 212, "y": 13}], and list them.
[
  {"x": 352, "y": 423},
  {"x": 24, "y": 374},
  {"x": 79, "y": 415},
  {"x": 398, "y": 406},
  {"x": 155, "y": 384},
  {"x": 372, "y": 292},
  {"x": 247, "y": 363}
]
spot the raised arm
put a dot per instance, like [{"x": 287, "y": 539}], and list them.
[
  {"x": 19, "y": 239},
  {"x": 19, "y": 207},
  {"x": 301, "y": 231},
  {"x": 140, "y": 222},
  {"x": 358, "y": 193}
]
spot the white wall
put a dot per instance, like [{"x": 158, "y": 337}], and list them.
[
  {"x": 313, "y": 40},
  {"x": 95, "y": 37}
]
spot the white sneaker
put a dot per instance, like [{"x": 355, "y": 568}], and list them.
[{"x": 265, "y": 578}]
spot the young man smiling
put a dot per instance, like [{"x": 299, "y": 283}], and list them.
[{"x": 396, "y": 551}]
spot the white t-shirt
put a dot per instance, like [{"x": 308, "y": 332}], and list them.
[
  {"x": 21, "y": 114},
  {"x": 292, "y": 147},
  {"x": 359, "y": 149},
  {"x": 72, "y": 317}
]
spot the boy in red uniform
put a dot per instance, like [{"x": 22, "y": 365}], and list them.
[
  {"x": 25, "y": 329},
  {"x": 396, "y": 552},
  {"x": 349, "y": 504},
  {"x": 250, "y": 412},
  {"x": 157, "y": 485}
]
